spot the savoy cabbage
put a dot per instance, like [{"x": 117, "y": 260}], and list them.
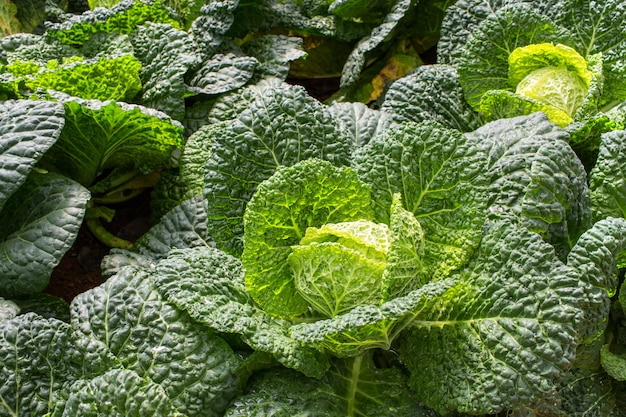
[
  {"x": 458, "y": 250},
  {"x": 499, "y": 59},
  {"x": 343, "y": 264}
]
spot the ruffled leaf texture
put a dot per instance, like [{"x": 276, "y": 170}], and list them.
[
  {"x": 269, "y": 125},
  {"x": 209, "y": 285},
  {"x": 503, "y": 335},
  {"x": 195, "y": 369}
]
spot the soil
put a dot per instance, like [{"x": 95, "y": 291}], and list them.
[{"x": 79, "y": 270}]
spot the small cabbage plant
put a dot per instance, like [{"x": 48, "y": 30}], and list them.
[
  {"x": 554, "y": 75},
  {"x": 516, "y": 58}
]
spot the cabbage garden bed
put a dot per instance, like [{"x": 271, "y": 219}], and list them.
[{"x": 313, "y": 208}]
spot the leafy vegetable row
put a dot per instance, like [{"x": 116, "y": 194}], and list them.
[{"x": 456, "y": 252}]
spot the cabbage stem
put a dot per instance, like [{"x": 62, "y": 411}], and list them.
[
  {"x": 93, "y": 221},
  {"x": 354, "y": 383}
]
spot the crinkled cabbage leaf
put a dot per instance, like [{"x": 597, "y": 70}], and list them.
[
  {"x": 503, "y": 335},
  {"x": 38, "y": 358},
  {"x": 439, "y": 175},
  {"x": 310, "y": 193},
  {"x": 431, "y": 92},
  {"x": 270, "y": 126},
  {"x": 102, "y": 78},
  {"x": 535, "y": 178},
  {"x": 607, "y": 179},
  {"x": 209, "y": 285},
  {"x": 106, "y": 137},
  {"x": 196, "y": 369},
  {"x": 38, "y": 225}
]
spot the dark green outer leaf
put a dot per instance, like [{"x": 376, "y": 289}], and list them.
[
  {"x": 38, "y": 357},
  {"x": 116, "y": 393},
  {"x": 557, "y": 203},
  {"x": 356, "y": 61},
  {"x": 197, "y": 370},
  {"x": 597, "y": 251},
  {"x": 582, "y": 393},
  {"x": 27, "y": 47},
  {"x": 196, "y": 116},
  {"x": 185, "y": 226},
  {"x": 359, "y": 121},
  {"x": 585, "y": 136},
  {"x": 460, "y": 20},
  {"x": 223, "y": 73},
  {"x": 360, "y": 10},
  {"x": 535, "y": 178},
  {"x": 608, "y": 179},
  {"x": 196, "y": 152},
  {"x": 105, "y": 44},
  {"x": 275, "y": 54},
  {"x": 229, "y": 106},
  {"x": 27, "y": 130},
  {"x": 209, "y": 285},
  {"x": 38, "y": 225},
  {"x": 279, "y": 126},
  {"x": 426, "y": 19},
  {"x": 310, "y": 193},
  {"x": 166, "y": 54},
  {"x": 258, "y": 16},
  {"x": 200, "y": 280},
  {"x": 587, "y": 393},
  {"x": 501, "y": 337},
  {"x": 208, "y": 30},
  {"x": 595, "y": 257},
  {"x": 432, "y": 92}
]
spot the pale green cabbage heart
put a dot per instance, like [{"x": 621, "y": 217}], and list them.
[
  {"x": 555, "y": 75},
  {"x": 340, "y": 266}
]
